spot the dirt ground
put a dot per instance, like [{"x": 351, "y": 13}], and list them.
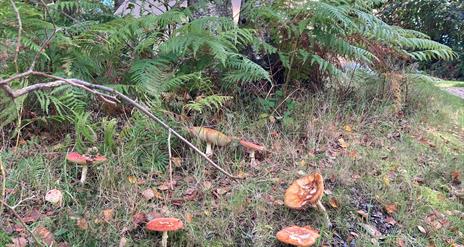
[{"x": 458, "y": 91}]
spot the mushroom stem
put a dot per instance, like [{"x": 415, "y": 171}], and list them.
[
  {"x": 324, "y": 211},
  {"x": 164, "y": 240},
  {"x": 84, "y": 174},
  {"x": 252, "y": 158},
  {"x": 209, "y": 149}
]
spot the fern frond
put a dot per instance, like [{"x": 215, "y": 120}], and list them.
[{"x": 212, "y": 102}]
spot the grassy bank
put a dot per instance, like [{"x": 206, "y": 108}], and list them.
[{"x": 372, "y": 162}]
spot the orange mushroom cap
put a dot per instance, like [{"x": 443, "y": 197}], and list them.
[
  {"x": 252, "y": 146},
  {"x": 298, "y": 236},
  {"x": 210, "y": 135},
  {"x": 85, "y": 160},
  {"x": 165, "y": 224},
  {"x": 306, "y": 190}
]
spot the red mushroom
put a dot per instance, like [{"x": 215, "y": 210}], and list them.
[
  {"x": 307, "y": 191},
  {"x": 298, "y": 236},
  {"x": 211, "y": 137},
  {"x": 164, "y": 225},
  {"x": 251, "y": 148},
  {"x": 85, "y": 161}
]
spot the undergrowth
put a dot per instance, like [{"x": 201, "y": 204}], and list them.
[{"x": 406, "y": 161}]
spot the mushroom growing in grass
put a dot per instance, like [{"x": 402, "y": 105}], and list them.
[
  {"x": 165, "y": 225},
  {"x": 252, "y": 148},
  {"x": 211, "y": 137},
  {"x": 307, "y": 191},
  {"x": 298, "y": 236},
  {"x": 54, "y": 197},
  {"x": 85, "y": 161}
]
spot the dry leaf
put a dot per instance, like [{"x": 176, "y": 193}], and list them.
[
  {"x": 191, "y": 194},
  {"x": 108, "y": 214},
  {"x": 390, "y": 208},
  {"x": 363, "y": 214},
  {"x": 177, "y": 161},
  {"x": 422, "y": 229},
  {"x": 18, "y": 242},
  {"x": 390, "y": 220},
  {"x": 334, "y": 203},
  {"x": 354, "y": 234},
  {"x": 456, "y": 177},
  {"x": 437, "y": 220},
  {"x": 167, "y": 185},
  {"x": 54, "y": 197},
  {"x": 419, "y": 180},
  {"x": 148, "y": 194},
  {"x": 82, "y": 224},
  {"x": 132, "y": 179},
  {"x": 222, "y": 191},
  {"x": 138, "y": 218},
  {"x": 188, "y": 217},
  {"x": 63, "y": 244},
  {"x": 342, "y": 143},
  {"x": 278, "y": 202},
  {"x": 243, "y": 175},
  {"x": 275, "y": 134},
  {"x": 45, "y": 235},
  {"x": 400, "y": 242},
  {"x": 386, "y": 180},
  {"x": 371, "y": 230},
  {"x": 353, "y": 154},
  {"x": 207, "y": 185},
  {"x": 122, "y": 242},
  {"x": 348, "y": 128},
  {"x": 157, "y": 193},
  {"x": 32, "y": 216}
]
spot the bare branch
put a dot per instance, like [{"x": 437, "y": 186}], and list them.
[
  {"x": 15, "y": 77},
  {"x": 18, "y": 38},
  {"x": 31, "y": 88},
  {"x": 42, "y": 47},
  {"x": 47, "y": 40}
]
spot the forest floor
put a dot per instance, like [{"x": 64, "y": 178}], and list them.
[{"x": 389, "y": 181}]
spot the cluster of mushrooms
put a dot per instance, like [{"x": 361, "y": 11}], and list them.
[
  {"x": 217, "y": 138},
  {"x": 91, "y": 158},
  {"x": 302, "y": 193}
]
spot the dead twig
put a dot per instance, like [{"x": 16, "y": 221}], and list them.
[
  {"x": 2, "y": 170},
  {"x": 39, "y": 243},
  {"x": 21, "y": 201},
  {"x": 170, "y": 160}
]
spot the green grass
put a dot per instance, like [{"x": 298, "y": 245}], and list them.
[
  {"x": 446, "y": 83},
  {"x": 407, "y": 162}
]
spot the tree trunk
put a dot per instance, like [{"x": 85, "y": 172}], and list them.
[
  {"x": 217, "y": 8},
  {"x": 118, "y": 3}
]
